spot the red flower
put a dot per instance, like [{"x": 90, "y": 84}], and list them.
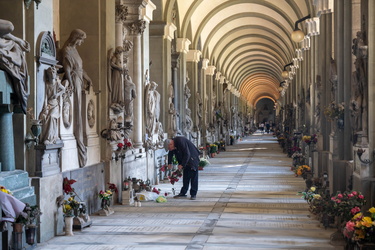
[
  {"x": 112, "y": 187},
  {"x": 156, "y": 190},
  {"x": 67, "y": 185},
  {"x": 120, "y": 145}
]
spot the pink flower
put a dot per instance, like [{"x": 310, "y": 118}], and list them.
[
  {"x": 350, "y": 195},
  {"x": 354, "y": 193},
  {"x": 355, "y": 210},
  {"x": 350, "y": 226},
  {"x": 338, "y": 201},
  {"x": 333, "y": 198},
  {"x": 361, "y": 196},
  {"x": 339, "y": 196}
]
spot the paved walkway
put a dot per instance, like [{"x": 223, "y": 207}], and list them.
[{"x": 247, "y": 199}]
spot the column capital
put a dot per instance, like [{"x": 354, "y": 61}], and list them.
[
  {"x": 323, "y": 6},
  {"x": 205, "y": 62},
  {"x": 218, "y": 75},
  {"x": 306, "y": 43},
  {"x": 299, "y": 54},
  {"x": 182, "y": 45},
  {"x": 313, "y": 26},
  {"x": 169, "y": 30},
  {"x": 121, "y": 12},
  {"x": 210, "y": 70},
  {"x": 147, "y": 9},
  {"x": 222, "y": 79},
  {"x": 137, "y": 27},
  {"x": 193, "y": 56}
]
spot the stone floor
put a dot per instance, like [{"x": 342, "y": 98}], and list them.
[{"x": 247, "y": 199}]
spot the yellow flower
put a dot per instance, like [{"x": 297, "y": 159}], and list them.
[
  {"x": 5, "y": 190},
  {"x": 366, "y": 221},
  {"x": 316, "y": 196},
  {"x": 360, "y": 233},
  {"x": 372, "y": 210},
  {"x": 355, "y": 217},
  {"x": 67, "y": 207},
  {"x": 70, "y": 198},
  {"x": 312, "y": 189}
]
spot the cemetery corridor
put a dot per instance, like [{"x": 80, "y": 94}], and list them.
[{"x": 247, "y": 199}]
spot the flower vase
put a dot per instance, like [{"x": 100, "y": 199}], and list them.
[
  {"x": 18, "y": 227},
  {"x": 30, "y": 235},
  {"x": 17, "y": 236},
  {"x": 105, "y": 204},
  {"x": 69, "y": 225}
]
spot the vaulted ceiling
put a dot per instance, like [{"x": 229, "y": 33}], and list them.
[{"x": 248, "y": 41}]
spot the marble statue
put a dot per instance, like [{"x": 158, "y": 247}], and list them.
[
  {"x": 187, "y": 95},
  {"x": 91, "y": 113},
  {"x": 188, "y": 122},
  {"x": 359, "y": 86},
  {"x": 171, "y": 93},
  {"x": 199, "y": 109},
  {"x": 152, "y": 108},
  {"x": 116, "y": 85},
  {"x": 172, "y": 112},
  {"x": 114, "y": 132},
  {"x": 129, "y": 96},
  {"x": 51, "y": 109},
  {"x": 12, "y": 61},
  {"x": 77, "y": 79}
]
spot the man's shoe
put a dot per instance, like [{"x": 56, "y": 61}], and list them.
[
  {"x": 180, "y": 196},
  {"x": 193, "y": 198}
]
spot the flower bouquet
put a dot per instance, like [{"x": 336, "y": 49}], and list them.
[
  {"x": 334, "y": 111},
  {"x": 303, "y": 170},
  {"x": 213, "y": 148},
  {"x": 71, "y": 206},
  {"x": 175, "y": 176},
  {"x": 202, "y": 163},
  {"x": 345, "y": 205},
  {"x": 106, "y": 195},
  {"x": 310, "y": 194},
  {"x": 308, "y": 139},
  {"x": 361, "y": 228}
]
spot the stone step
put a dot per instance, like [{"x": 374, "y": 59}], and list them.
[{"x": 18, "y": 183}]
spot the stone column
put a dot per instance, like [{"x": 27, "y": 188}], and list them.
[
  {"x": 192, "y": 59},
  {"x": 7, "y": 162},
  {"x": 344, "y": 52},
  {"x": 139, "y": 15},
  {"x": 175, "y": 64}
]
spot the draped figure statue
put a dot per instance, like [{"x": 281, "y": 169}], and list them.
[
  {"x": 12, "y": 61},
  {"x": 152, "y": 108},
  {"x": 129, "y": 96},
  {"x": 116, "y": 85},
  {"x": 51, "y": 109},
  {"x": 76, "y": 76}
]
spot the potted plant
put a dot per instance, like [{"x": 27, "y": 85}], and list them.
[
  {"x": 30, "y": 219},
  {"x": 69, "y": 206},
  {"x": 33, "y": 220},
  {"x": 202, "y": 163}
]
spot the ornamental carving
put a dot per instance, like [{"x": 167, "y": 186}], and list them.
[
  {"x": 121, "y": 12},
  {"x": 137, "y": 27},
  {"x": 91, "y": 113}
]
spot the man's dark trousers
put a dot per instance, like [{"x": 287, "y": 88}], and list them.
[{"x": 190, "y": 176}]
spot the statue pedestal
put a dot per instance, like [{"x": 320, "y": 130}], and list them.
[
  {"x": 48, "y": 159},
  {"x": 107, "y": 211},
  {"x": 81, "y": 222}
]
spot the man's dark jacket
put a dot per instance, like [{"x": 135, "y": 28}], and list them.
[{"x": 186, "y": 153}]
